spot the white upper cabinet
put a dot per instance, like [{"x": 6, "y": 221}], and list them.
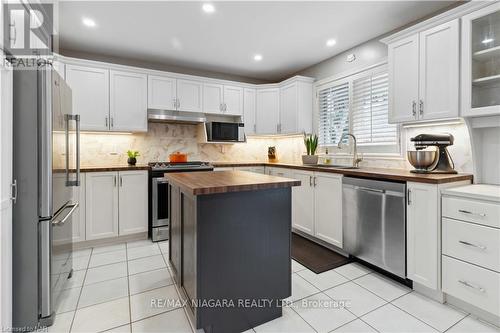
[
  {"x": 189, "y": 95},
  {"x": 288, "y": 108},
  {"x": 423, "y": 75},
  {"x": 233, "y": 100},
  {"x": 128, "y": 101},
  {"x": 249, "y": 109},
  {"x": 90, "y": 91},
  {"x": 439, "y": 72},
  {"x": 268, "y": 110},
  {"x": 162, "y": 92},
  {"x": 480, "y": 62},
  {"x": 296, "y": 103},
  {"x": 403, "y": 80},
  {"x": 213, "y": 95},
  {"x": 222, "y": 99}
]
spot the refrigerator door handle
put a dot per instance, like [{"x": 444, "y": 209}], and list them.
[
  {"x": 76, "y": 118},
  {"x": 60, "y": 222}
]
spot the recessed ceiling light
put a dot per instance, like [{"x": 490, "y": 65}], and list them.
[
  {"x": 88, "y": 22},
  {"x": 257, "y": 57},
  {"x": 487, "y": 40},
  {"x": 208, "y": 8},
  {"x": 331, "y": 42}
]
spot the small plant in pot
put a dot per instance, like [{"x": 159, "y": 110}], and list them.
[
  {"x": 311, "y": 143},
  {"x": 132, "y": 157}
]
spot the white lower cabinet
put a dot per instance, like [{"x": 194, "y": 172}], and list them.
[
  {"x": 132, "y": 202},
  {"x": 317, "y": 205},
  {"x": 328, "y": 208},
  {"x": 115, "y": 203},
  {"x": 101, "y": 205},
  {"x": 422, "y": 234}
]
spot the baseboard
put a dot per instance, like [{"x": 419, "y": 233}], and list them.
[
  {"x": 436, "y": 295},
  {"x": 110, "y": 241},
  {"x": 473, "y": 310}
]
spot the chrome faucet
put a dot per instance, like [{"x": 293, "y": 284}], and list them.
[{"x": 355, "y": 159}]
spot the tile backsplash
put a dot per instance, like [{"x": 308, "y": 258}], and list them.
[{"x": 164, "y": 139}]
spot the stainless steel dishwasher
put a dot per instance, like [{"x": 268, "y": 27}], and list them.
[{"x": 374, "y": 222}]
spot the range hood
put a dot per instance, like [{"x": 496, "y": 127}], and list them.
[{"x": 168, "y": 116}]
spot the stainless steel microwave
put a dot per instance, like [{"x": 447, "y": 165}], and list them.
[{"x": 225, "y": 132}]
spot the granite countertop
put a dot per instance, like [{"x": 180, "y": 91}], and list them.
[
  {"x": 208, "y": 182},
  {"x": 364, "y": 172}
]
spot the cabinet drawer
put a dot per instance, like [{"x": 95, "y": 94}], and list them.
[
  {"x": 477, "y": 286},
  {"x": 480, "y": 212},
  {"x": 473, "y": 243}
]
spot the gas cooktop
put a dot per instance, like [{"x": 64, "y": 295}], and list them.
[{"x": 167, "y": 166}]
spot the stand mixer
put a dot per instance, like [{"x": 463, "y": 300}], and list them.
[{"x": 438, "y": 161}]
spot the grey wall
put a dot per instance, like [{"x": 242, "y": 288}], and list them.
[
  {"x": 156, "y": 66},
  {"x": 368, "y": 53}
]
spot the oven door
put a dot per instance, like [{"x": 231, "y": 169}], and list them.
[{"x": 160, "y": 213}]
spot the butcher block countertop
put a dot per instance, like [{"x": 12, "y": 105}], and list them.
[
  {"x": 209, "y": 182},
  {"x": 365, "y": 172}
]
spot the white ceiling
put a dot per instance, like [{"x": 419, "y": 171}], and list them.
[{"x": 289, "y": 35}]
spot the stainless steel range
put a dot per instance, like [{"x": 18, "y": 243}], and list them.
[{"x": 159, "y": 214}]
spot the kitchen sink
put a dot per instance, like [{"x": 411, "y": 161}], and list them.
[{"x": 335, "y": 166}]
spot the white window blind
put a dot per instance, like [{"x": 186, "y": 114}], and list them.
[
  {"x": 370, "y": 111},
  {"x": 333, "y": 105}
]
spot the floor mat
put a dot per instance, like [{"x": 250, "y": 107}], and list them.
[{"x": 314, "y": 256}]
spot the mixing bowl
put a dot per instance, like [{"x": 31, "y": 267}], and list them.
[{"x": 421, "y": 159}]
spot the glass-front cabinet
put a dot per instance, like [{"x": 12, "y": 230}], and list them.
[{"x": 481, "y": 61}]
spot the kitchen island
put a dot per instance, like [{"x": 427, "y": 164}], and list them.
[{"x": 230, "y": 235}]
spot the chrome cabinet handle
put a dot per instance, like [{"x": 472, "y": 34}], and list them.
[
  {"x": 481, "y": 247},
  {"x": 178, "y": 103},
  {"x": 106, "y": 121},
  {"x": 409, "y": 197},
  {"x": 221, "y": 109},
  {"x": 421, "y": 108},
  {"x": 174, "y": 102},
  {"x": 471, "y": 213},
  {"x": 121, "y": 181},
  {"x": 56, "y": 222},
  {"x": 310, "y": 181},
  {"x": 112, "y": 122},
  {"x": 470, "y": 285},
  {"x": 114, "y": 181},
  {"x": 314, "y": 181},
  {"x": 414, "y": 108},
  {"x": 13, "y": 187}
]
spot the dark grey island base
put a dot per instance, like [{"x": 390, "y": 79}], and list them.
[{"x": 230, "y": 251}]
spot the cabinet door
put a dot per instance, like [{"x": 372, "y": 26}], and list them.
[
  {"x": 162, "y": 92},
  {"x": 288, "y": 108},
  {"x": 439, "y": 68},
  {"x": 212, "y": 98},
  {"x": 133, "y": 202},
  {"x": 422, "y": 234},
  {"x": 90, "y": 91},
  {"x": 128, "y": 101},
  {"x": 189, "y": 96},
  {"x": 303, "y": 203},
  {"x": 403, "y": 80},
  {"x": 101, "y": 205},
  {"x": 233, "y": 100},
  {"x": 249, "y": 109},
  {"x": 268, "y": 107},
  {"x": 328, "y": 208}
]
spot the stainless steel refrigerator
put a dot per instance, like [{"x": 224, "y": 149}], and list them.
[{"x": 46, "y": 167}]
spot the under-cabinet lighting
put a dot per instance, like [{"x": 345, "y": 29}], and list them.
[{"x": 487, "y": 40}]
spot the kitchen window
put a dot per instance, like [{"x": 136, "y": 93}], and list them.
[{"x": 358, "y": 104}]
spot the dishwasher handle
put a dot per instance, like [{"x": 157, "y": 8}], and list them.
[
  {"x": 378, "y": 191},
  {"x": 369, "y": 189}
]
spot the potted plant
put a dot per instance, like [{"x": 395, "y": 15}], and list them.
[
  {"x": 311, "y": 143},
  {"x": 132, "y": 157}
]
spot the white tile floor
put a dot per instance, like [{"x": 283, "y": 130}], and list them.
[{"x": 114, "y": 286}]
